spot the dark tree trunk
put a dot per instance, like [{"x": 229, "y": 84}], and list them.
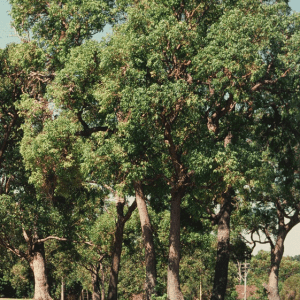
[
  {"x": 117, "y": 246},
  {"x": 150, "y": 258},
  {"x": 173, "y": 285},
  {"x": 102, "y": 282},
  {"x": 116, "y": 253},
  {"x": 95, "y": 282},
  {"x": 38, "y": 266},
  {"x": 221, "y": 267}
]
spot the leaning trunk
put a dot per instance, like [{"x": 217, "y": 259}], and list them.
[
  {"x": 150, "y": 259},
  {"x": 38, "y": 266},
  {"x": 276, "y": 256},
  {"x": 221, "y": 267},
  {"x": 173, "y": 285},
  {"x": 116, "y": 253}
]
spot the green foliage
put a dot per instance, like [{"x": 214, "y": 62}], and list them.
[
  {"x": 290, "y": 289},
  {"x": 21, "y": 279},
  {"x": 55, "y": 154},
  {"x": 259, "y": 270},
  {"x": 58, "y": 27},
  {"x": 156, "y": 102}
]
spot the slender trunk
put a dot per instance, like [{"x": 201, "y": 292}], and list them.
[
  {"x": 150, "y": 258},
  {"x": 116, "y": 253},
  {"x": 276, "y": 256},
  {"x": 95, "y": 283},
  {"x": 277, "y": 249},
  {"x": 62, "y": 291},
  {"x": 221, "y": 267},
  {"x": 102, "y": 282},
  {"x": 173, "y": 284},
  {"x": 38, "y": 266}
]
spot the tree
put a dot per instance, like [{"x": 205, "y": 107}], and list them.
[
  {"x": 260, "y": 265},
  {"x": 55, "y": 27},
  {"x": 19, "y": 73},
  {"x": 156, "y": 103},
  {"x": 165, "y": 80}
]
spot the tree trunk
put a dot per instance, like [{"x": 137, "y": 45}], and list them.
[
  {"x": 116, "y": 253},
  {"x": 102, "y": 281},
  {"x": 276, "y": 256},
  {"x": 221, "y": 267},
  {"x": 95, "y": 283},
  {"x": 150, "y": 258},
  {"x": 173, "y": 284},
  {"x": 38, "y": 266}
]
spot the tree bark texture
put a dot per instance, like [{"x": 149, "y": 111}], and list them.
[
  {"x": 147, "y": 232},
  {"x": 276, "y": 257},
  {"x": 38, "y": 266},
  {"x": 221, "y": 267},
  {"x": 117, "y": 246},
  {"x": 277, "y": 249},
  {"x": 102, "y": 282},
  {"x": 96, "y": 283},
  {"x": 173, "y": 282},
  {"x": 116, "y": 253}
]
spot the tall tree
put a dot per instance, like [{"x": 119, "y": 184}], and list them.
[
  {"x": 20, "y": 67},
  {"x": 173, "y": 81}
]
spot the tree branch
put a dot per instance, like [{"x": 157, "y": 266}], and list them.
[
  {"x": 130, "y": 211},
  {"x": 51, "y": 237},
  {"x": 87, "y": 131}
]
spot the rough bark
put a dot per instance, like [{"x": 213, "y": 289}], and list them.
[
  {"x": 173, "y": 284},
  {"x": 276, "y": 256},
  {"x": 95, "y": 283},
  {"x": 102, "y": 282},
  {"x": 221, "y": 267},
  {"x": 277, "y": 248},
  {"x": 117, "y": 246},
  {"x": 150, "y": 259},
  {"x": 38, "y": 266},
  {"x": 116, "y": 253}
]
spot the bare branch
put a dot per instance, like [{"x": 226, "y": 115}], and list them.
[
  {"x": 52, "y": 237},
  {"x": 130, "y": 211}
]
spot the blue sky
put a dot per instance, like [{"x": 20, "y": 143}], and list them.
[{"x": 7, "y": 35}]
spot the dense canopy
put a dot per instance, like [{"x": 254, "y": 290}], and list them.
[{"x": 138, "y": 164}]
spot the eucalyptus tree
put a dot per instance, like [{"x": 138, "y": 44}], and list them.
[
  {"x": 277, "y": 209},
  {"x": 187, "y": 77},
  {"x": 32, "y": 216},
  {"x": 252, "y": 72},
  {"x": 20, "y": 223},
  {"x": 75, "y": 91},
  {"x": 173, "y": 85},
  {"x": 59, "y": 26},
  {"x": 55, "y": 28},
  {"x": 273, "y": 136}
]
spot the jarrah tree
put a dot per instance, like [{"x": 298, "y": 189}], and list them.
[
  {"x": 57, "y": 27},
  {"x": 276, "y": 210},
  {"x": 158, "y": 100},
  {"x": 117, "y": 244},
  {"x": 186, "y": 85},
  {"x": 270, "y": 223},
  {"x": 20, "y": 71}
]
